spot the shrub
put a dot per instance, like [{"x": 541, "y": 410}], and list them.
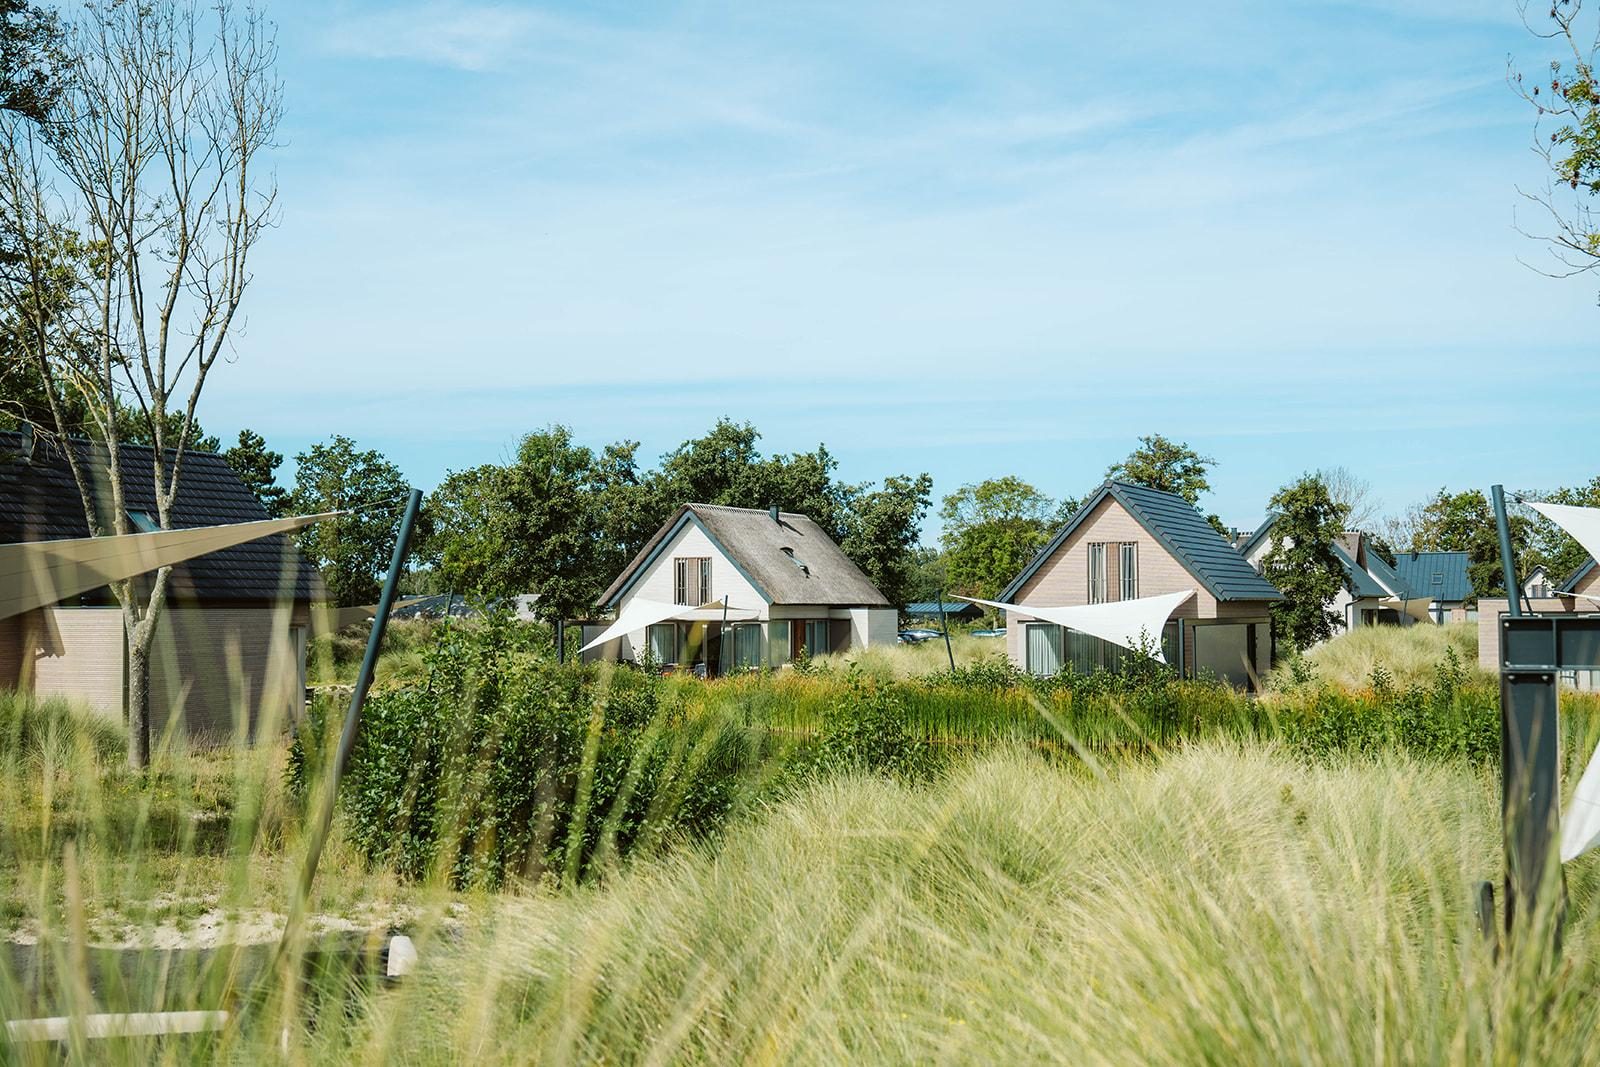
[{"x": 506, "y": 764}]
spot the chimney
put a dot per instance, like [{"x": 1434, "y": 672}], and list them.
[{"x": 773, "y": 511}]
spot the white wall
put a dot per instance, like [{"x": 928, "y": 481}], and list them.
[{"x": 659, "y": 583}]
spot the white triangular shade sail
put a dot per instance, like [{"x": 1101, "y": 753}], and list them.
[
  {"x": 640, "y": 613},
  {"x": 1582, "y": 523},
  {"x": 1580, "y": 826},
  {"x": 1122, "y": 622},
  {"x": 34, "y": 574},
  {"x": 1416, "y": 608}
]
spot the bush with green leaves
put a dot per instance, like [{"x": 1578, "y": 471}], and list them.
[{"x": 504, "y": 764}]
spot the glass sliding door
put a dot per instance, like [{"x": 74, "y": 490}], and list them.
[{"x": 1043, "y": 648}]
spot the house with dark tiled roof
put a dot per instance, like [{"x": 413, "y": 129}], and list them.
[
  {"x": 1435, "y": 584},
  {"x": 231, "y": 645},
  {"x": 755, "y": 587},
  {"x": 1129, "y": 542}
]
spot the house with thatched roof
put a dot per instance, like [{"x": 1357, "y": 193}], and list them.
[
  {"x": 230, "y": 648},
  {"x": 718, "y": 589}
]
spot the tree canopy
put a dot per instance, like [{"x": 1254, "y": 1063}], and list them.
[
  {"x": 563, "y": 520},
  {"x": 1301, "y": 562},
  {"x": 1167, "y": 465},
  {"x": 353, "y": 550},
  {"x": 992, "y": 529}
]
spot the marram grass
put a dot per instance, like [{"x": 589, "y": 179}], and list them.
[{"x": 1225, "y": 905}]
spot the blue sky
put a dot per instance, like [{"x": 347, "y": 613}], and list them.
[{"x": 962, "y": 239}]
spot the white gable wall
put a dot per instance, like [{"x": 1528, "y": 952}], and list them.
[{"x": 659, "y": 581}]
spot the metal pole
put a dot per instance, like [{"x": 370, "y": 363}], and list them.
[
  {"x": 352, "y": 719},
  {"x": 944, "y": 625},
  {"x": 1529, "y": 755},
  {"x": 1507, "y": 560},
  {"x": 722, "y": 639}
]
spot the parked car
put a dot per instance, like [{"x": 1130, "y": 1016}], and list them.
[
  {"x": 990, "y": 633},
  {"x": 917, "y": 635}
]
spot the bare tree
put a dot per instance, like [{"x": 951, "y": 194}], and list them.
[
  {"x": 1352, "y": 491},
  {"x": 1566, "y": 136},
  {"x": 134, "y": 207}
]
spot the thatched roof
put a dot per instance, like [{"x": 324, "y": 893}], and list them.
[{"x": 789, "y": 560}]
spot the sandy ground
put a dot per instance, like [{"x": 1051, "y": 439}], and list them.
[{"x": 214, "y": 926}]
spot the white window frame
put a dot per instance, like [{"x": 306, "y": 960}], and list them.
[
  {"x": 1099, "y": 582},
  {"x": 1128, "y": 565}
]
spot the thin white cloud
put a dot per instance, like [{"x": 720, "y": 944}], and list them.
[{"x": 472, "y": 37}]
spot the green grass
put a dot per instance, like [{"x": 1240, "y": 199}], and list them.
[
  {"x": 1226, "y": 905},
  {"x": 1087, "y": 871},
  {"x": 913, "y": 661},
  {"x": 1409, "y": 653}
]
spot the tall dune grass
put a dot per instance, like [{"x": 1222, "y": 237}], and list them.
[
  {"x": 1228, "y": 905},
  {"x": 1408, "y": 653}
]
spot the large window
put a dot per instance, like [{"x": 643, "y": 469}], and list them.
[
  {"x": 693, "y": 580},
  {"x": 1097, "y": 572},
  {"x": 662, "y": 640},
  {"x": 816, "y": 637},
  {"x": 1128, "y": 561},
  {"x": 1043, "y": 648},
  {"x": 746, "y": 639},
  {"x": 778, "y": 639},
  {"x": 1086, "y": 654}
]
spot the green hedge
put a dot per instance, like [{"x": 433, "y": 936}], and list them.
[{"x": 503, "y": 764}]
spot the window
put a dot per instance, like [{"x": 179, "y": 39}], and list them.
[
  {"x": 816, "y": 637},
  {"x": 746, "y": 640},
  {"x": 143, "y": 521},
  {"x": 778, "y": 639},
  {"x": 1128, "y": 558},
  {"x": 662, "y": 640},
  {"x": 1087, "y": 654},
  {"x": 1097, "y": 572},
  {"x": 692, "y": 580},
  {"x": 1042, "y": 644}
]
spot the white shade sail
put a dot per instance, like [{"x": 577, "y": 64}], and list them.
[
  {"x": 1582, "y": 523},
  {"x": 1416, "y": 608},
  {"x": 1580, "y": 826},
  {"x": 1122, "y": 622},
  {"x": 639, "y": 613},
  {"x": 34, "y": 574}
]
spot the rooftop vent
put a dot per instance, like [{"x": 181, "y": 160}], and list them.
[
  {"x": 797, "y": 561},
  {"x": 773, "y": 511}
]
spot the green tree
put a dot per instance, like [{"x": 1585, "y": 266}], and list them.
[
  {"x": 1464, "y": 522},
  {"x": 257, "y": 465},
  {"x": 1301, "y": 562},
  {"x": 1551, "y": 545},
  {"x": 929, "y": 574},
  {"x": 1565, "y": 98},
  {"x": 352, "y": 550},
  {"x": 992, "y": 529},
  {"x": 536, "y": 525},
  {"x": 883, "y": 527},
  {"x": 1170, "y": 466}
]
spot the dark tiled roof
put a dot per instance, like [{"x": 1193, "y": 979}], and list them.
[
  {"x": 39, "y": 501},
  {"x": 769, "y": 554},
  {"x": 1249, "y": 544},
  {"x": 930, "y": 608},
  {"x": 1359, "y": 582},
  {"x": 1578, "y": 575},
  {"x": 1386, "y": 576},
  {"x": 1435, "y": 575},
  {"x": 1181, "y": 530}
]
